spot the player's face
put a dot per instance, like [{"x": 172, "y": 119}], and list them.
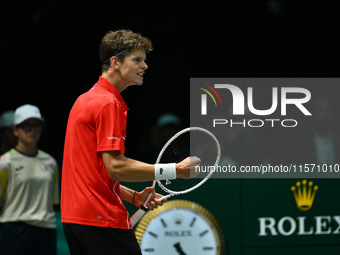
[{"x": 132, "y": 69}]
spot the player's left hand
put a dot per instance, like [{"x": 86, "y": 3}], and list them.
[{"x": 154, "y": 201}]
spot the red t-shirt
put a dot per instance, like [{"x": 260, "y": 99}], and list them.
[{"x": 97, "y": 122}]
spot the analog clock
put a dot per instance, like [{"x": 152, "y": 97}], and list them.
[{"x": 180, "y": 227}]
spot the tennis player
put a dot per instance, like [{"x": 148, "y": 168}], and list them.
[
  {"x": 94, "y": 217},
  {"x": 29, "y": 187}
]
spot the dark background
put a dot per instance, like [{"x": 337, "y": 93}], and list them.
[{"x": 49, "y": 52}]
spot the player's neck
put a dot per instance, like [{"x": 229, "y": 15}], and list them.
[{"x": 115, "y": 81}]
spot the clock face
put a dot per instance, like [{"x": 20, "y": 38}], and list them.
[{"x": 180, "y": 229}]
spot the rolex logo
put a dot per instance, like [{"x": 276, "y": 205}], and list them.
[
  {"x": 304, "y": 195},
  {"x": 303, "y": 225}
]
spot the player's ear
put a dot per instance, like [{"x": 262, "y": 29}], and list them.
[{"x": 115, "y": 63}]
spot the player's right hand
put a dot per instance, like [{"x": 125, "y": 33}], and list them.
[{"x": 188, "y": 168}]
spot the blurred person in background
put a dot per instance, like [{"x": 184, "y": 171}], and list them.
[
  {"x": 241, "y": 145},
  {"x": 7, "y": 137},
  {"x": 326, "y": 141},
  {"x": 28, "y": 190},
  {"x": 319, "y": 142},
  {"x": 166, "y": 126}
]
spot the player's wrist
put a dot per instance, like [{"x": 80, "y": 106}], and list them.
[
  {"x": 179, "y": 171},
  {"x": 134, "y": 197},
  {"x": 165, "y": 171}
]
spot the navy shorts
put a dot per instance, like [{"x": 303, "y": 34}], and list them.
[
  {"x": 92, "y": 240},
  {"x": 21, "y": 238}
]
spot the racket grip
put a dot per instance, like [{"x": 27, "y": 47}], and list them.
[{"x": 138, "y": 215}]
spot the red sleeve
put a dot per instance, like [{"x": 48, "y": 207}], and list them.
[{"x": 110, "y": 128}]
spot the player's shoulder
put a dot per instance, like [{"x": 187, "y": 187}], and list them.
[
  {"x": 103, "y": 99},
  {"x": 96, "y": 98}
]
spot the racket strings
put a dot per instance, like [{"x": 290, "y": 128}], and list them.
[{"x": 191, "y": 143}]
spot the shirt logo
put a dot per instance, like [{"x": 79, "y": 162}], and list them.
[
  {"x": 19, "y": 168},
  {"x": 115, "y": 138},
  {"x": 112, "y": 138}
]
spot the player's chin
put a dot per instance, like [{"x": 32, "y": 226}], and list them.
[{"x": 139, "y": 83}]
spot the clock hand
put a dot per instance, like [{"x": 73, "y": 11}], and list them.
[{"x": 179, "y": 249}]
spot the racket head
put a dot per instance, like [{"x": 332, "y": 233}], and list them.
[{"x": 192, "y": 141}]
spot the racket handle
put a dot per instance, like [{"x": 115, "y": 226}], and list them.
[
  {"x": 141, "y": 211},
  {"x": 138, "y": 215}
]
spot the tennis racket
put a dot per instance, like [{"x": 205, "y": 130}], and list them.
[{"x": 192, "y": 141}]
